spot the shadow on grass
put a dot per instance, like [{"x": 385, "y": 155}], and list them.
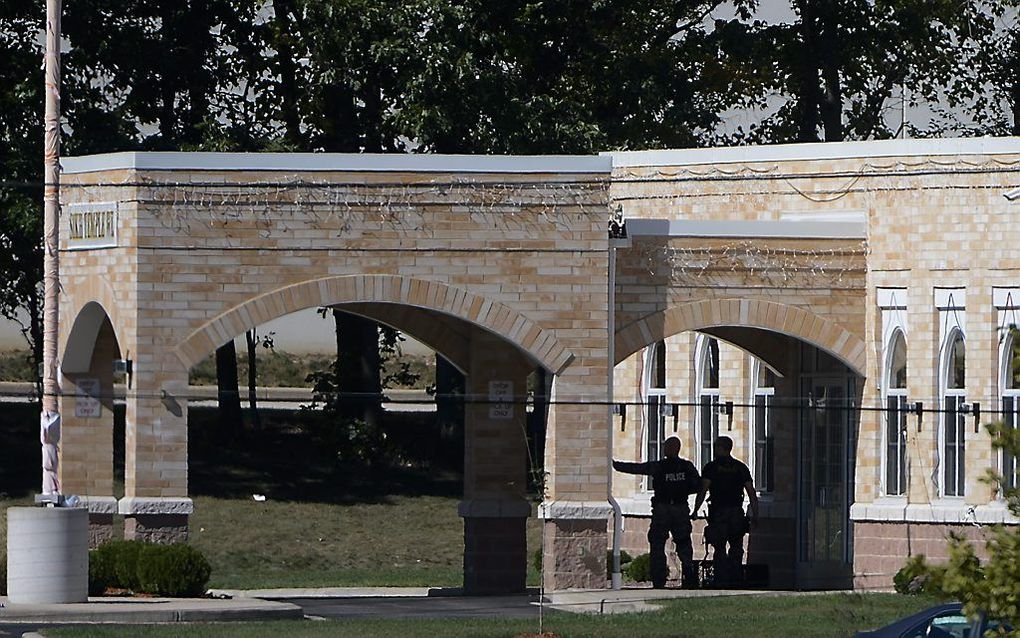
[{"x": 283, "y": 461}]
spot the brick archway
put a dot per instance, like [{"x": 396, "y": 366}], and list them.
[
  {"x": 538, "y": 343},
  {"x": 753, "y": 313}
]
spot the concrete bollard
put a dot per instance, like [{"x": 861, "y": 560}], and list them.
[{"x": 47, "y": 555}]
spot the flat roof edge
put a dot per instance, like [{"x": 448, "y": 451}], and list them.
[
  {"x": 337, "y": 162},
  {"x": 762, "y": 229},
  {"x": 817, "y": 151}
]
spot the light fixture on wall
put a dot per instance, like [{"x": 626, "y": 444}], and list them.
[
  {"x": 976, "y": 411},
  {"x": 919, "y": 411}
]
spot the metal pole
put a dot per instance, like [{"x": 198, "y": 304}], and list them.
[{"x": 50, "y": 417}]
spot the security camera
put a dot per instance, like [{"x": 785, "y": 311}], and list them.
[{"x": 1012, "y": 195}]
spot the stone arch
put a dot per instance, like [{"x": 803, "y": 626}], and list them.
[
  {"x": 752, "y": 313},
  {"x": 83, "y": 336},
  {"x": 537, "y": 342}
]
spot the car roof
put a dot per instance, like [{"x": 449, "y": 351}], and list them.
[{"x": 904, "y": 624}]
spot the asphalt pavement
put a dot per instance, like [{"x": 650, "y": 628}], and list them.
[{"x": 420, "y": 607}]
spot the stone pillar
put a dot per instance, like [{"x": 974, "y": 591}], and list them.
[
  {"x": 575, "y": 539},
  {"x": 576, "y": 510},
  {"x": 156, "y": 504},
  {"x": 495, "y": 508}
]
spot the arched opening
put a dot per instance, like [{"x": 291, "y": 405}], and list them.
[
  {"x": 93, "y": 434},
  {"x": 791, "y": 408},
  {"x": 489, "y": 488}
]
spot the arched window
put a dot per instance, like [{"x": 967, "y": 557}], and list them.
[
  {"x": 764, "y": 390},
  {"x": 655, "y": 398},
  {"x": 953, "y": 434},
  {"x": 896, "y": 416},
  {"x": 1010, "y": 399},
  {"x": 707, "y": 374}
]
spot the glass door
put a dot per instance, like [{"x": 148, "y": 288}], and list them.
[{"x": 823, "y": 538}]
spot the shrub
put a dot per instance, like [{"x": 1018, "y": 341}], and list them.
[
  {"x": 173, "y": 570},
  {"x": 624, "y": 559},
  {"x": 102, "y": 569},
  {"x": 639, "y": 569},
  {"x": 125, "y": 563},
  {"x": 917, "y": 576},
  {"x": 3, "y": 574}
]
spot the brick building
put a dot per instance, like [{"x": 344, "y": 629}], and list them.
[{"x": 802, "y": 299}]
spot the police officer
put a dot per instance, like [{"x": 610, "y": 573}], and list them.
[
  {"x": 673, "y": 480},
  {"x": 726, "y": 480}
]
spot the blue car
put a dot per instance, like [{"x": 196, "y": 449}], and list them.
[{"x": 942, "y": 621}]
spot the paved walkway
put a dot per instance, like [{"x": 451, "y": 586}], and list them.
[{"x": 343, "y": 602}]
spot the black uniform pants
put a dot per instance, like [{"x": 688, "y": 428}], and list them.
[
  {"x": 667, "y": 519},
  {"x": 726, "y": 529}
]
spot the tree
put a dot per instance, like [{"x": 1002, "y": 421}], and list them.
[
  {"x": 991, "y": 587},
  {"x": 835, "y": 70}
]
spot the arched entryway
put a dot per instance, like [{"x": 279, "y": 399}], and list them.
[{"x": 779, "y": 381}]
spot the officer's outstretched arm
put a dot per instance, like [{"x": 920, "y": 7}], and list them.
[{"x": 634, "y": 468}]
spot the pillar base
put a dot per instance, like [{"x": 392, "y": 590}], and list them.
[
  {"x": 495, "y": 546},
  {"x": 575, "y": 540},
  {"x": 101, "y": 511},
  {"x": 162, "y": 521}
]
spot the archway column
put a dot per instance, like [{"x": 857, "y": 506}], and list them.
[
  {"x": 495, "y": 508},
  {"x": 156, "y": 506},
  {"x": 576, "y": 510}
]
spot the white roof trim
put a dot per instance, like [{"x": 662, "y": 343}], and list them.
[
  {"x": 353, "y": 162},
  {"x": 712, "y": 228},
  {"x": 818, "y": 151}
]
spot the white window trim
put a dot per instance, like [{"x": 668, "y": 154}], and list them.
[
  {"x": 701, "y": 352},
  {"x": 1005, "y": 349},
  {"x": 647, "y": 392},
  {"x": 953, "y": 325},
  {"x": 888, "y": 393},
  {"x": 757, "y": 391}
]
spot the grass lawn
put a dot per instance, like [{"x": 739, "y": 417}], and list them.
[
  {"x": 405, "y": 541},
  {"x": 829, "y": 616},
  {"x": 323, "y": 523}
]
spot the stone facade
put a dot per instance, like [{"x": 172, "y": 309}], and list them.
[{"x": 793, "y": 259}]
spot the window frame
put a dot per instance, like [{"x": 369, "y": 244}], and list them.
[
  {"x": 950, "y": 400},
  {"x": 654, "y": 399},
  {"x": 898, "y": 413},
  {"x": 1009, "y": 402},
  {"x": 705, "y": 396},
  {"x": 761, "y": 449}
]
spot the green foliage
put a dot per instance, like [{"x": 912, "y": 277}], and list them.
[
  {"x": 992, "y": 587},
  {"x": 173, "y": 570},
  {"x": 639, "y": 569},
  {"x": 3, "y": 574},
  {"x": 126, "y": 555},
  {"x": 919, "y": 577},
  {"x": 625, "y": 558},
  {"x": 164, "y": 570},
  {"x": 102, "y": 568},
  {"x": 17, "y": 366}
]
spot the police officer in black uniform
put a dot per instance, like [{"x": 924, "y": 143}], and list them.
[
  {"x": 726, "y": 480},
  {"x": 673, "y": 480}
]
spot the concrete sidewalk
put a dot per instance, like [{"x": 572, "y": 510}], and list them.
[
  {"x": 148, "y": 610},
  {"x": 272, "y": 604}
]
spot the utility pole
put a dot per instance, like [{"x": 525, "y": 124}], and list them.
[{"x": 50, "y": 418}]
